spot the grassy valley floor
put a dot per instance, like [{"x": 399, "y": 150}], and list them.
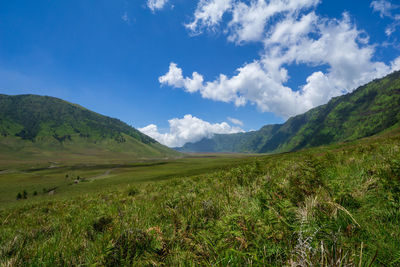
[
  {"x": 326, "y": 206},
  {"x": 45, "y": 180}
]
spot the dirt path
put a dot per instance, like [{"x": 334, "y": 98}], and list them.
[
  {"x": 101, "y": 176},
  {"x": 5, "y": 171}
]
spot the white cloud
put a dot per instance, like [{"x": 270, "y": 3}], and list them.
[
  {"x": 296, "y": 36},
  {"x": 156, "y": 4},
  {"x": 386, "y": 9},
  {"x": 248, "y": 20},
  {"x": 175, "y": 79},
  {"x": 208, "y": 14},
  {"x": 391, "y": 29},
  {"x": 395, "y": 65},
  {"x": 188, "y": 129},
  {"x": 383, "y": 7},
  {"x": 235, "y": 121}
]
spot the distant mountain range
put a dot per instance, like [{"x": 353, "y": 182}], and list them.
[
  {"x": 370, "y": 109},
  {"x": 34, "y": 126}
]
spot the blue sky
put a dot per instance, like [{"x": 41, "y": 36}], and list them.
[{"x": 255, "y": 62}]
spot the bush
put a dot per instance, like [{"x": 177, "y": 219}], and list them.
[
  {"x": 132, "y": 191},
  {"x": 101, "y": 224}
]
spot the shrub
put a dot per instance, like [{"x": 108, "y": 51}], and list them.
[
  {"x": 132, "y": 191},
  {"x": 101, "y": 224}
]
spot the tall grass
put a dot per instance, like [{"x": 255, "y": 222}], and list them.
[{"x": 331, "y": 206}]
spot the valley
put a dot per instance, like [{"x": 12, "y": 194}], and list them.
[
  {"x": 200, "y": 133},
  {"x": 70, "y": 178},
  {"x": 331, "y": 205},
  {"x": 79, "y": 188}
]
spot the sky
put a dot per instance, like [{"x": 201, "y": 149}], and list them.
[{"x": 181, "y": 70}]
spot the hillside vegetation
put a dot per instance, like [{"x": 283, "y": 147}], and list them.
[
  {"x": 325, "y": 206},
  {"x": 369, "y": 110},
  {"x": 33, "y": 126}
]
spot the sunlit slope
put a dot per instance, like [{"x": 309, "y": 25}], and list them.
[
  {"x": 46, "y": 127},
  {"x": 369, "y": 110}
]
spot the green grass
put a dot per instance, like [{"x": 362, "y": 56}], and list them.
[
  {"x": 336, "y": 205},
  {"x": 63, "y": 176}
]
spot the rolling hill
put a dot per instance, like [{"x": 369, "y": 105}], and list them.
[
  {"x": 370, "y": 109},
  {"x": 48, "y": 128}
]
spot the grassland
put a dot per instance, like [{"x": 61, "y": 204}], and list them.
[
  {"x": 68, "y": 177},
  {"x": 336, "y": 205}
]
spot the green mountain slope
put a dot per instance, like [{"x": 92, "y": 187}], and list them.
[
  {"x": 369, "y": 110},
  {"x": 42, "y": 126}
]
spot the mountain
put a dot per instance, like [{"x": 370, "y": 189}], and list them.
[
  {"x": 33, "y": 126},
  {"x": 368, "y": 110}
]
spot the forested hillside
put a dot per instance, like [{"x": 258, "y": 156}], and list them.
[
  {"x": 368, "y": 110},
  {"x": 36, "y": 124}
]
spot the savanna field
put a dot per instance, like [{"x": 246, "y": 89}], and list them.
[{"x": 336, "y": 205}]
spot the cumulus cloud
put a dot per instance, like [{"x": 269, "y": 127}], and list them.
[
  {"x": 175, "y": 79},
  {"x": 248, "y": 20},
  {"x": 188, "y": 129},
  {"x": 156, "y": 4},
  {"x": 208, "y": 14},
  {"x": 235, "y": 121},
  {"x": 395, "y": 64},
  {"x": 292, "y": 34}
]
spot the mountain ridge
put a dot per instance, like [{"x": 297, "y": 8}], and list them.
[
  {"x": 368, "y": 110},
  {"x": 34, "y": 123}
]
